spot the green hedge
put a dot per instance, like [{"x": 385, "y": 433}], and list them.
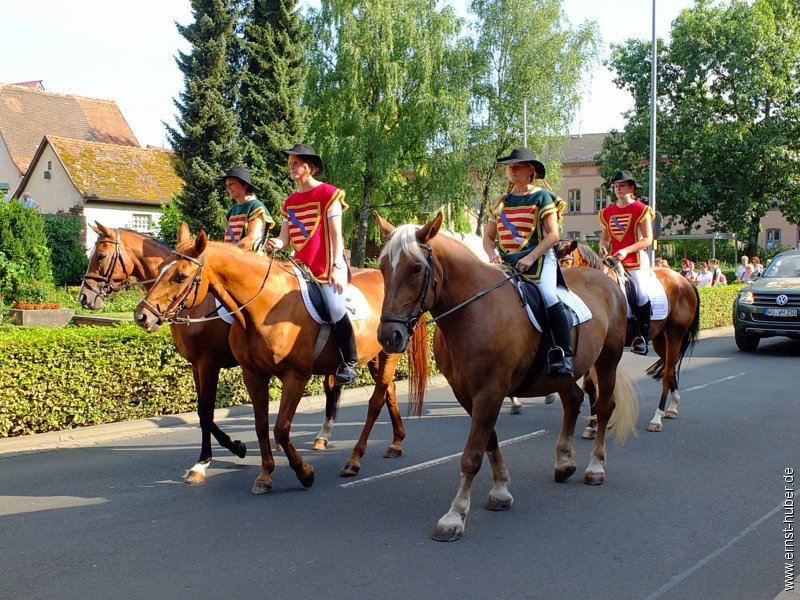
[
  {"x": 716, "y": 305},
  {"x": 65, "y": 238}
]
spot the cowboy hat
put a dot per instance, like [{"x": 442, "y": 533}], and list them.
[
  {"x": 624, "y": 176},
  {"x": 307, "y": 152},
  {"x": 242, "y": 175},
  {"x": 523, "y": 155}
]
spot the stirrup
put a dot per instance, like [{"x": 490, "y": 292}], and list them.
[
  {"x": 639, "y": 346},
  {"x": 560, "y": 364},
  {"x": 345, "y": 375}
]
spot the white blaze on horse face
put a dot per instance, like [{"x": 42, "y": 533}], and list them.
[{"x": 163, "y": 271}]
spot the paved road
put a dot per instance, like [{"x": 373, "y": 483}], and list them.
[{"x": 694, "y": 512}]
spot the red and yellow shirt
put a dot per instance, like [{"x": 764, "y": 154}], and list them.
[{"x": 622, "y": 225}]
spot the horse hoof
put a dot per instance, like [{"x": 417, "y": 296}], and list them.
[
  {"x": 195, "y": 477},
  {"x": 393, "y": 452},
  {"x": 320, "y": 444},
  {"x": 594, "y": 478},
  {"x": 278, "y": 447},
  {"x": 239, "y": 449},
  {"x": 261, "y": 487},
  {"x": 563, "y": 474},
  {"x": 588, "y": 433},
  {"x": 496, "y": 504},
  {"x": 447, "y": 535},
  {"x": 654, "y": 427},
  {"x": 307, "y": 480},
  {"x": 550, "y": 398},
  {"x": 350, "y": 469},
  {"x": 671, "y": 414}
]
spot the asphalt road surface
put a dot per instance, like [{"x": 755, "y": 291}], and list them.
[{"x": 697, "y": 511}]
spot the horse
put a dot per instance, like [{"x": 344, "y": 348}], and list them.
[
  {"x": 273, "y": 334},
  {"x": 672, "y": 337},
  {"x": 486, "y": 347},
  {"x": 120, "y": 254}
]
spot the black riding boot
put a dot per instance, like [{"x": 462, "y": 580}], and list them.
[
  {"x": 639, "y": 345},
  {"x": 559, "y": 358},
  {"x": 343, "y": 332}
]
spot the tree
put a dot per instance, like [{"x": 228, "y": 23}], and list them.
[
  {"x": 206, "y": 137},
  {"x": 728, "y": 102},
  {"x": 25, "y": 271},
  {"x": 523, "y": 49},
  {"x": 387, "y": 96},
  {"x": 270, "y": 113}
]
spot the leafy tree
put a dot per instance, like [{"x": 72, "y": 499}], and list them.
[
  {"x": 206, "y": 137},
  {"x": 728, "y": 102},
  {"x": 65, "y": 238},
  {"x": 523, "y": 48},
  {"x": 270, "y": 113},
  {"x": 25, "y": 272},
  {"x": 387, "y": 95}
]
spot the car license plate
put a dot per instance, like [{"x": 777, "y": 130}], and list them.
[{"x": 780, "y": 312}]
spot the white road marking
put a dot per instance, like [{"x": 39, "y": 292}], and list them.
[
  {"x": 434, "y": 462},
  {"x": 705, "y": 385}
]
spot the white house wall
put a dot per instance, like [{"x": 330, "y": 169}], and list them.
[
  {"x": 116, "y": 217},
  {"x": 8, "y": 170}
]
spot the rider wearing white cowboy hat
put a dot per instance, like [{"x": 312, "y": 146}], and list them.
[{"x": 627, "y": 234}]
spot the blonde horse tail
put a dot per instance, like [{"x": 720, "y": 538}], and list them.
[
  {"x": 626, "y": 408},
  {"x": 418, "y": 353}
]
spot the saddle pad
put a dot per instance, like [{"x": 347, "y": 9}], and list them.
[
  {"x": 354, "y": 300},
  {"x": 223, "y": 313},
  {"x": 580, "y": 313},
  {"x": 659, "y": 305}
]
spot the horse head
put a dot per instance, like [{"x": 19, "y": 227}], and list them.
[
  {"x": 179, "y": 285},
  {"x": 108, "y": 267},
  {"x": 410, "y": 283}
]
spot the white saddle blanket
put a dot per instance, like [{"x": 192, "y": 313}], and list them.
[
  {"x": 581, "y": 312},
  {"x": 354, "y": 301},
  {"x": 659, "y": 305},
  {"x": 223, "y": 313}
]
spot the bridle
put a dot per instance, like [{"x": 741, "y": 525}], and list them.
[
  {"x": 412, "y": 319},
  {"x": 178, "y": 304},
  {"x": 107, "y": 284}
]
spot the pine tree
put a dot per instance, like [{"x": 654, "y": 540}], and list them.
[
  {"x": 205, "y": 138},
  {"x": 273, "y": 81}
]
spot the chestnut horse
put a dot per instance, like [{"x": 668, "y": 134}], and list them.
[
  {"x": 485, "y": 346},
  {"x": 672, "y": 337},
  {"x": 273, "y": 334},
  {"x": 120, "y": 254}
]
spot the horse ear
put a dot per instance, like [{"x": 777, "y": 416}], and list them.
[
  {"x": 572, "y": 246},
  {"x": 431, "y": 229},
  {"x": 95, "y": 228},
  {"x": 200, "y": 242},
  {"x": 385, "y": 227},
  {"x": 103, "y": 230},
  {"x": 183, "y": 233}
]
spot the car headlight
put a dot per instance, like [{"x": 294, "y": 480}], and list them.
[{"x": 746, "y": 297}]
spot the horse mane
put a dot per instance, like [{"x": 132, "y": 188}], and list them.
[
  {"x": 589, "y": 256},
  {"x": 403, "y": 241}
]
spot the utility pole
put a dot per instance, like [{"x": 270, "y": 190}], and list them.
[
  {"x": 525, "y": 121},
  {"x": 653, "y": 109}
]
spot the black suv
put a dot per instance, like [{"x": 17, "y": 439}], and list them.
[{"x": 770, "y": 304}]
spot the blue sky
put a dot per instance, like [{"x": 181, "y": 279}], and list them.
[{"x": 124, "y": 51}]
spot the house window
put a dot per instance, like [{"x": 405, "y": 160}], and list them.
[
  {"x": 600, "y": 200},
  {"x": 773, "y": 238},
  {"x": 574, "y": 201},
  {"x": 141, "y": 222}
]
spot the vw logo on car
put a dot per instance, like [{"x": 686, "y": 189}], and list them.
[{"x": 782, "y": 299}]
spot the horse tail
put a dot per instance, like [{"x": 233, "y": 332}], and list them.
[
  {"x": 626, "y": 407},
  {"x": 418, "y": 354}
]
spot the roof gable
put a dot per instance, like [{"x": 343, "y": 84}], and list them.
[
  {"x": 27, "y": 115},
  {"x": 119, "y": 173},
  {"x": 582, "y": 148}
]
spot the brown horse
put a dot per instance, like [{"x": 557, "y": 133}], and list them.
[
  {"x": 120, "y": 254},
  {"x": 273, "y": 334},
  {"x": 485, "y": 346},
  {"x": 672, "y": 337}
]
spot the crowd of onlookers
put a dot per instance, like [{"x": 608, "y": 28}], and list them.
[{"x": 709, "y": 273}]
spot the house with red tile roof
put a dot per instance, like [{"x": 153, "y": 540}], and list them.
[{"x": 117, "y": 185}]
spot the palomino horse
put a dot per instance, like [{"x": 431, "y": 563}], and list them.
[
  {"x": 273, "y": 334},
  {"x": 485, "y": 346},
  {"x": 120, "y": 254},
  {"x": 672, "y": 337}
]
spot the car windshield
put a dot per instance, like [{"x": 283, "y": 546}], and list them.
[{"x": 784, "y": 266}]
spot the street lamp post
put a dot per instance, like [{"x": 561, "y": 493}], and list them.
[
  {"x": 525, "y": 121},
  {"x": 653, "y": 109}
]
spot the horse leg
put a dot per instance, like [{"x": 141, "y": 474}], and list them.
[
  {"x": 484, "y": 411},
  {"x": 258, "y": 388},
  {"x": 293, "y": 386},
  {"x": 499, "y": 496},
  {"x": 565, "y": 464},
  {"x": 516, "y": 405},
  {"x": 382, "y": 370},
  {"x": 332, "y": 394},
  {"x": 602, "y": 408},
  {"x": 590, "y": 390},
  {"x": 664, "y": 349}
]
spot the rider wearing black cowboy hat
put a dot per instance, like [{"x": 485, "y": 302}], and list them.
[
  {"x": 521, "y": 232},
  {"x": 312, "y": 224},
  {"x": 627, "y": 234},
  {"x": 248, "y": 219}
]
